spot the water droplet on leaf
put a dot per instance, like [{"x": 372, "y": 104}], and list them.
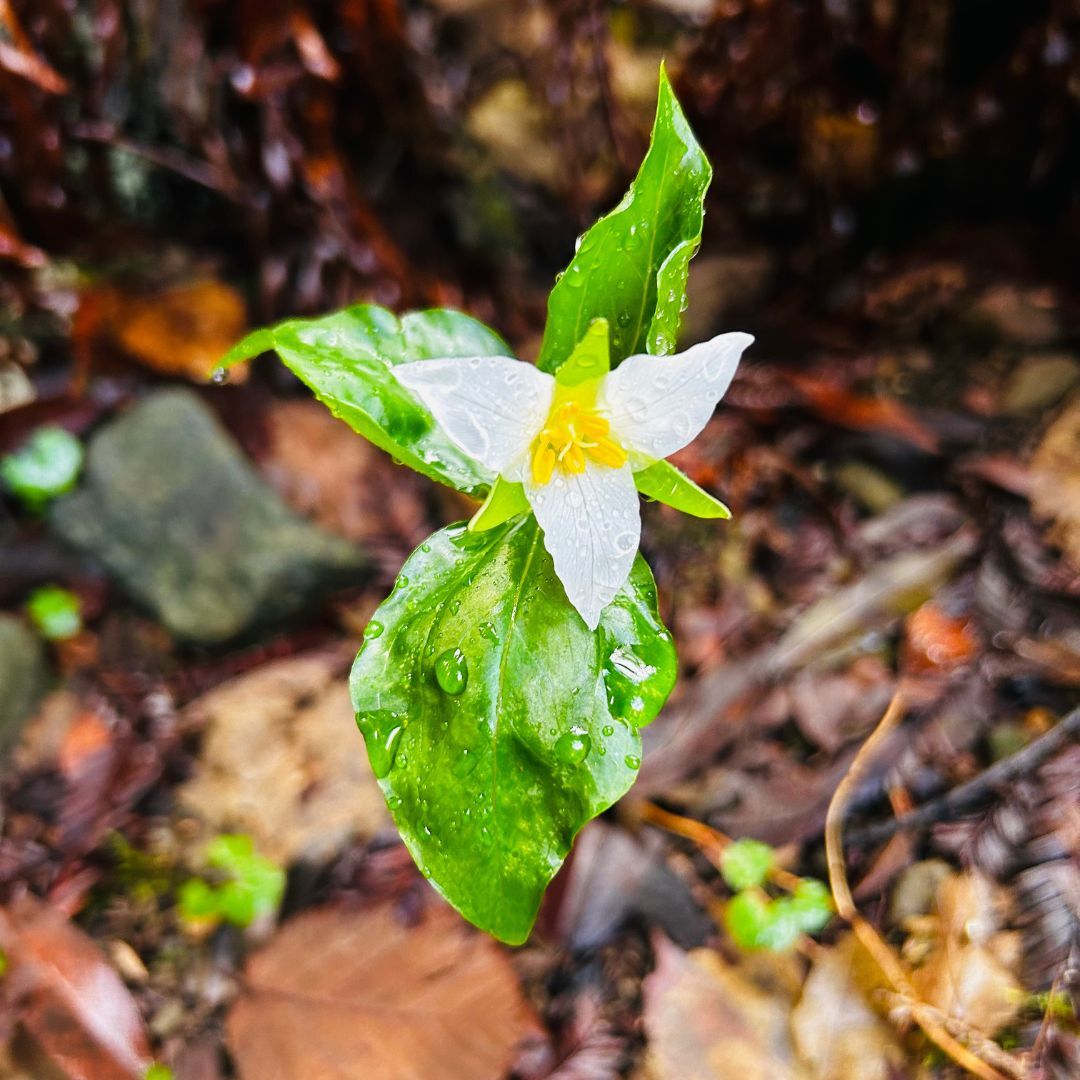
[
  {"x": 573, "y": 747},
  {"x": 452, "y": 671}
]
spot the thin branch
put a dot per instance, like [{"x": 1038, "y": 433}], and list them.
[
  {"x": 980, "y": 787},
  {"x": 883, "y": 956}
]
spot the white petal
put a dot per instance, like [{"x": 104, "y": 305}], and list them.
[
  {"x": 592, "y": 525},
  {"x": 657, "y": 404},
  {"x": 490, "y": 406}
]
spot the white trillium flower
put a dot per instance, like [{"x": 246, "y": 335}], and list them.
[{"x": 576, "y": 447}]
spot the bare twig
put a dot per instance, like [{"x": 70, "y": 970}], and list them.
[
  {"x": 980, "y": 787},
  {"x": 883, "y": 956}
]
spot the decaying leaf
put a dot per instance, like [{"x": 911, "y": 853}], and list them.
[
  {"x": 68, "y": 998},
  {"x": 362, "y": 996},
  {"x": 706, "y": 1021},
  {"x": 183, "y": 330},
  {"x": 281, "y": 761},
  {"x": 1055, "y": 488},
  {"x": 964, "y": 959},
  {"x": 837, "y": 1032}
]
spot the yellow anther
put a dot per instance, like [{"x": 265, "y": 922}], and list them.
[{"x": 573, "y": 435}]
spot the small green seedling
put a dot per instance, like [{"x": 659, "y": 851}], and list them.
[
  {"x": 55, "y": 612},
  {"x": 754, "y": 919},
  {"x": 159, "y": 1072},
  {"x": 44, "y": 467},
  {"x": 251, "y": 887}
]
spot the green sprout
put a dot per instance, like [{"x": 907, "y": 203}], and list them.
[
  {"x": 251, "y": 886},
  {"x": 55, "y": 612},
  {"x": 44, "y": 467}
]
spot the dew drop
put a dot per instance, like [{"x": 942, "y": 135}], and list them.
[
  {"x": 487, "y": 630},
  {"x": 623, "y": 319},
  {"x": 466, "y": 762},
  {"x": 607, "y": 730},
  {"x": 373, "y": 630},
  {"x": 573, "y": 747},
  {"x": 220, "y": 376},
  {"x": 455, "y": 606},
  {"x": 632, "y": 761},
  {"x": 382, "y": 749},
  {"x": 452, "y": 671}
]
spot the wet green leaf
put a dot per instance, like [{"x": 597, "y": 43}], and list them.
[
  {"x": 346, "y": 359},
  {"x": 631, "y": 266},
  {"x": 746, "y": 916},
  {"x": 45, "y": 466},
  {"x": 252, "y": 887},
  {"x": 497, "y": 723}
]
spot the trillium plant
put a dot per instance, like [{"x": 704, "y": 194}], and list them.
[{"x": 502, "y": 685}]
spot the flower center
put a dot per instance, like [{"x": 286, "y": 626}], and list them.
[{"x": 574, "y": 433}]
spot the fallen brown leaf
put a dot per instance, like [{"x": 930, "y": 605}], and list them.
[
  {"x": 837, "y": 1032},
  {"x": 965, "y": 959},
  {"x": 341, "y": 995},
  {"x": 282, "y": 761},
  {"x": 68, "y": 998},
  {"x": 184, "y": 330},
  {"x": 1055, "y": 480},
  {"x": 706, "y": 1021}
]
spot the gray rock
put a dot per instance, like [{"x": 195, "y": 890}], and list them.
[
  {"x": 176, "y": 513},
  {"x": 24, "y": 677}
]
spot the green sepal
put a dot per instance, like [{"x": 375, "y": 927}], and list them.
[
  {"x": 496, "y": 722},
  {"x": 631, "y": 266},
  {"x": 664, "y": 483},
  {"x": 505, "y": 500},
  {"x": 347, "y": 358}
]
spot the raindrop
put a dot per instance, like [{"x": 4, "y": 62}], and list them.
[
  {"x": 220, "y": 376},
  {"x": 425, "y": 548},
  {"x": 382, "y": 749},
  {"x": 573, "y": 747},
  {"x": 452, "y": 671},
  {"x": 373, "y": 630},
  {"x": 487, "y": 630},
  {"x": 466, "y": 762},
  {"x": 623, "y": 318},
  {"x": 607, "y": 730},
  {"x": 632, "y": 761},
  {"x": 455, "y": 606}
]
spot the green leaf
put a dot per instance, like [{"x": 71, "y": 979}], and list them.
[
  {"x": 746, "y": 863},
  {"x": 45, "y": 466},
  {"x": 346, "y": 359},
  {"x": 631, "y": 266},
  {"x": 591, "y": 358},
  {"x": 664, "y": 483},
  {"x": 56, "y": 612},
  {"x": 505, "y": 500},
  {"x": 497, "y": 723}
]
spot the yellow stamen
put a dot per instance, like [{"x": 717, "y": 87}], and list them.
[{"x": 573, "y": 435}]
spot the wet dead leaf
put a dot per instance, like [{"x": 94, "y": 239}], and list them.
[
  {"x": 1055, "y": 480},
  {"x": 282, "y": 761},
  {"x": 361, "y": 996},
  {"x": 342, "y": 482},
  {"x": 965, "y": 960},
  {"x": 706, "y": 1021},
  {"x": 937, "y": 641},
  {"x": 68, "y": 998},
  {"x": 836, "y": 1031},
  {"x": 184, "y": 330}
]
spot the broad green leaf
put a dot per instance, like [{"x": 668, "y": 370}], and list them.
[
  {"x": 746, "y": 916},
  {"x": 346, "y": 359},
  {"x": 664, "y": 483},
  {"x": 591, "y": 358},
  {"x": 631, "y": 266},
  {"x": 496, "y": 722},
  {"x": 505, "y": 500}
]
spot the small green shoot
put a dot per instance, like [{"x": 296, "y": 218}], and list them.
[
  {"x": 43, "y": 468},
  {"x": 251, "y": 886},
  {"x": 55, "y": 612}
]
